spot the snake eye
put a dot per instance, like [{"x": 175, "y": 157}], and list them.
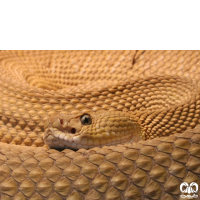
[{"x": 86, "y": 119}]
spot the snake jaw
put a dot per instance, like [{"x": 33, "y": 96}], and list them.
[{"x": 62, "y": 131}]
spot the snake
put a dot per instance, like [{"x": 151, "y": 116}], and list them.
[{"x": 99, "y": 124}]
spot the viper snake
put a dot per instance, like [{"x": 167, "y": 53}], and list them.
[{"x": 98, "y": 124}]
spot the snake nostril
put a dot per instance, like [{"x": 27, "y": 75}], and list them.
[
  {"x": 73, "y": 130},
  {"x": 61, "y": 121}
]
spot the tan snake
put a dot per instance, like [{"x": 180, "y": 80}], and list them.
[{"x": 94, "y": 98}]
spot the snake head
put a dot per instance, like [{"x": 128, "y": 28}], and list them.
[{"x": 88, "y": 130}]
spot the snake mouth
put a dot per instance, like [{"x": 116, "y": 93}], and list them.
[
  {"x": 56, "y": 139},
  {"x": 61, "y": 132}
]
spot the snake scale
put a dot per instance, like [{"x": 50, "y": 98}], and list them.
[{"x": 105, "y": 99}]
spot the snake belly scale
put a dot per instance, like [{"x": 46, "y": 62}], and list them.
[{"x": 132, "y": 115}]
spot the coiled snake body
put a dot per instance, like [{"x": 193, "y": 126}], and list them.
[{"x": 100, "y": 99}]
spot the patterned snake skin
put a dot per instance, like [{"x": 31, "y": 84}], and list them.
[{"x": 160, "y": 89}]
